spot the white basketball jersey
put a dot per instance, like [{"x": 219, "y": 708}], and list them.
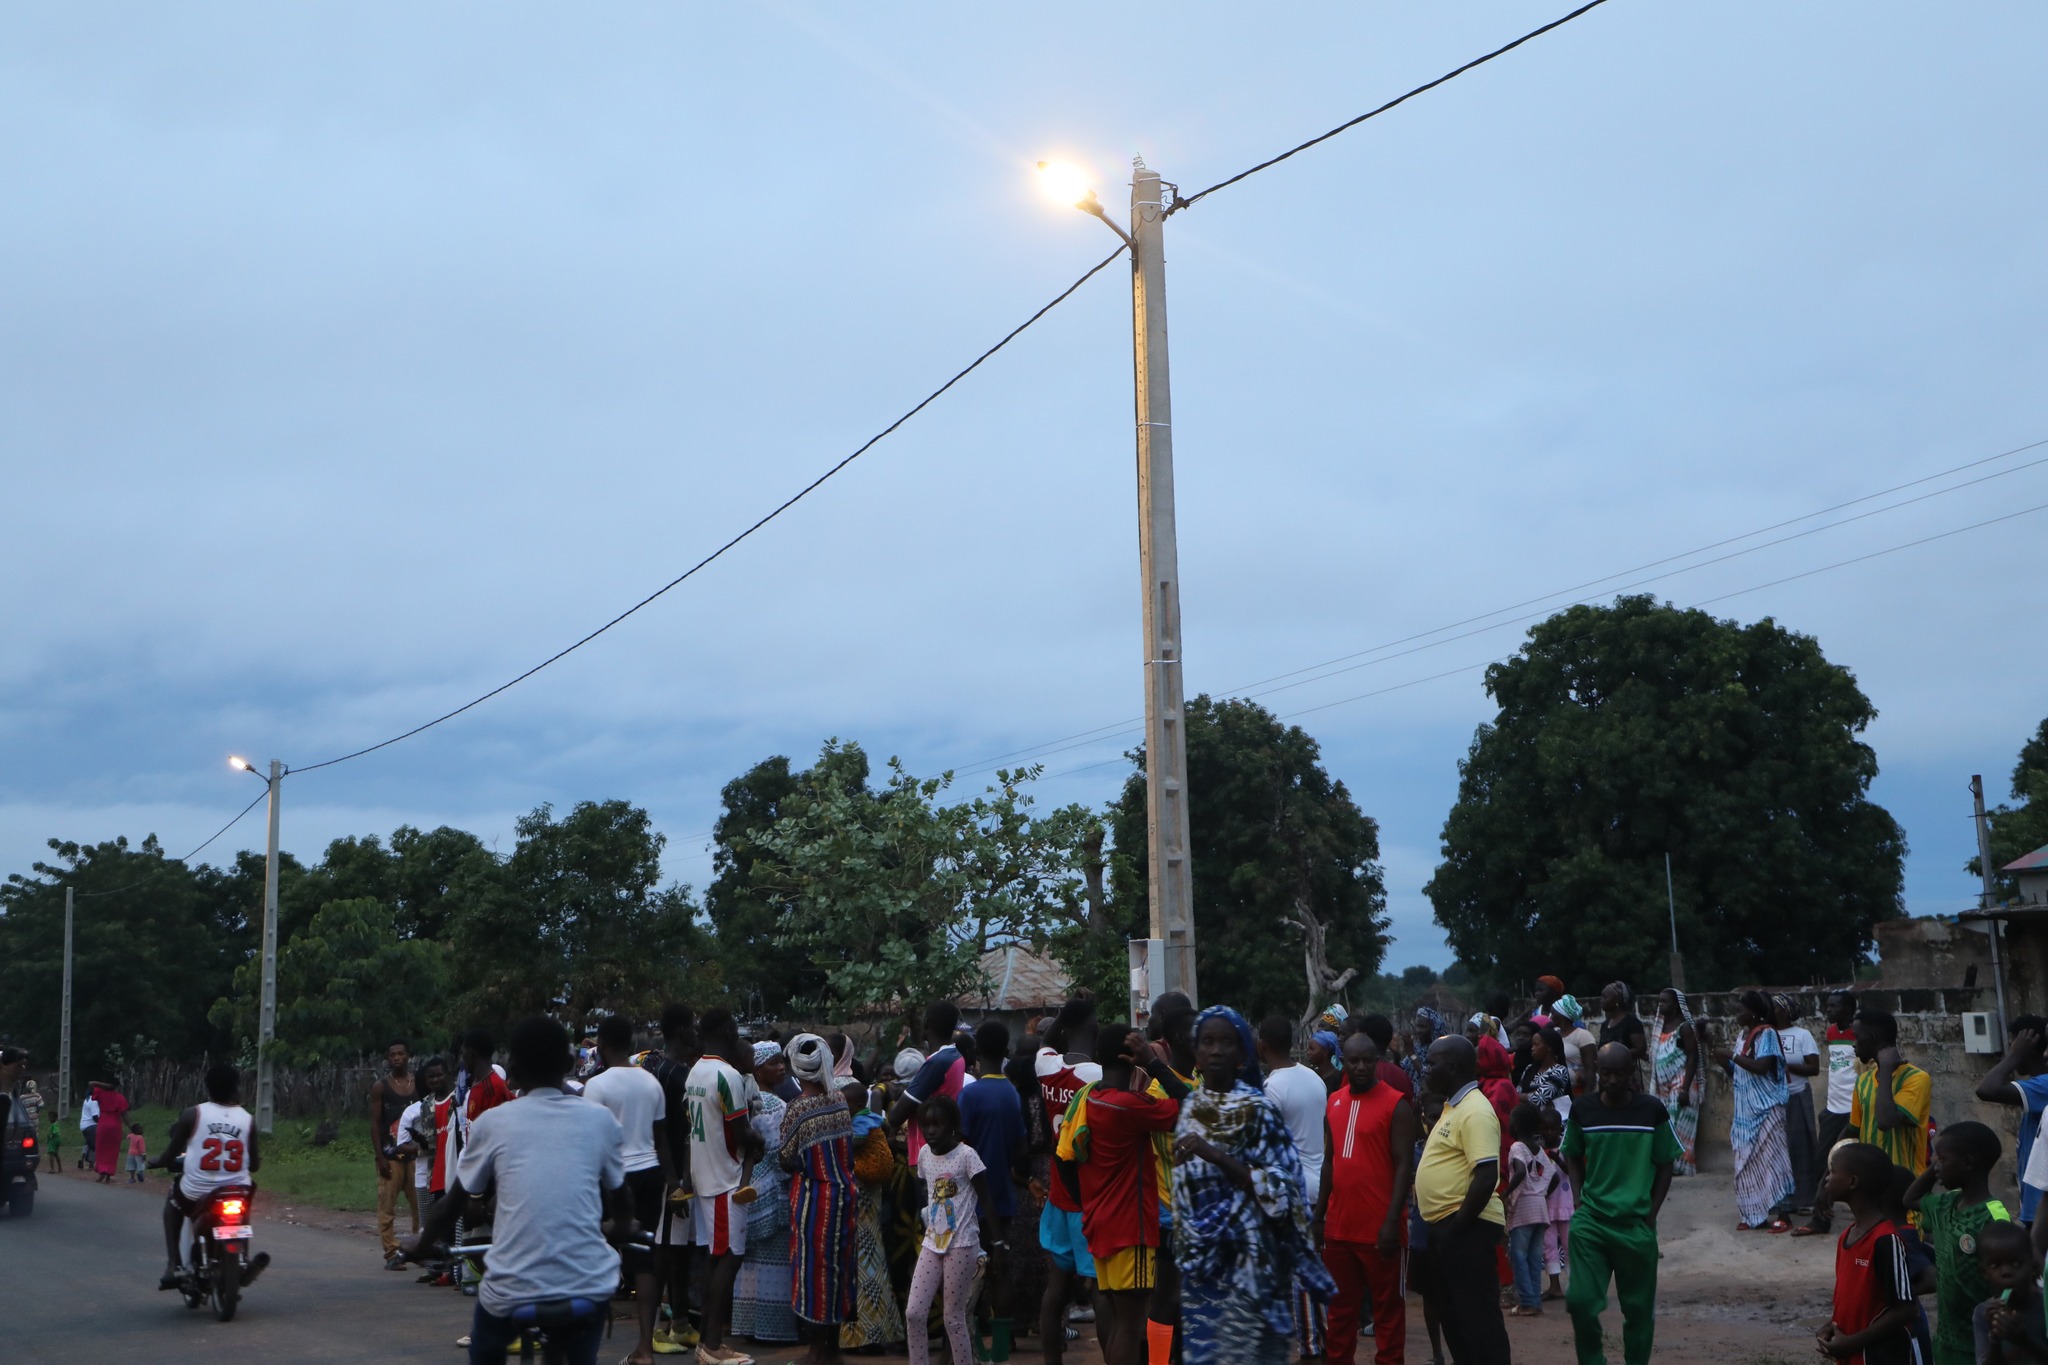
[{"x": 218, "y": 1152}]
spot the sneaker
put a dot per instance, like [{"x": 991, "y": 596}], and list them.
[
  {"x": 394, "y": 1262},
  {"x": 723, "y": 1355},
  {"x": 463, "y": 1342},
  {"x": 171, "y": 1278},
  {"x": 683, "y": 1338},
  {"x": 1080, "y": 1315}
]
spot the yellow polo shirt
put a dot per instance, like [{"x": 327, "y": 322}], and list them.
[{"x": 1467, "y": 1134}]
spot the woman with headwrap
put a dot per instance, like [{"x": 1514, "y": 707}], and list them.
[
  {"x": 1621, "y": 1024},
  {"x": 1429, "y": 1026},
  {"x": 1320, "y": 1056},
  {"x": 1763, "y": 1168},
  {"x": 1240, "y": 1213},
  {"x": 817, "y": 1152},
  {"x": 877, "y": 1318},
  {"x": 1568, "y": 1017},
  {"x": 761, "y": 1306},
  {"x": 1679, "y": 1078}
]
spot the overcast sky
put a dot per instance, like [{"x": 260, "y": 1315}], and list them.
[{"x": 356, "y": 357}]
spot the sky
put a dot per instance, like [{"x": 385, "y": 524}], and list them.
[{"x": 357, "y": 357}]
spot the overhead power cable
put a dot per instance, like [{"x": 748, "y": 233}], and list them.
[
  {"x": 1083, "y": 738},
  {"x": 118, "y": 890},
  {"x": 780, "y": 508},
  {"x": 1397, "y": 101},
  {"x": 1703, "y": 602}
]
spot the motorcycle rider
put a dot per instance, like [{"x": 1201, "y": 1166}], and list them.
[
  {"x": 557, "y": 1164},
  {"x": 227, "y": 1155}
]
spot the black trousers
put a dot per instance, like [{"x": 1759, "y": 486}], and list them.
[{"x": 1468, "y": 1292}]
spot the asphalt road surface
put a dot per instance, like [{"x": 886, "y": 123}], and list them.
[{"x": 80, "y": 1275}]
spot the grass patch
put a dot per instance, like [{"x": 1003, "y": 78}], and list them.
[{"x": 340, "y": 1175}]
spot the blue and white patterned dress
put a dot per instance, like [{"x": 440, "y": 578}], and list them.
[{"x": 1763, "y": 1165}]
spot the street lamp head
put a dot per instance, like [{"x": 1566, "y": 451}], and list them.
[
  {"x": 240, "y": 764},
  {"x": 1066, "y": 184}
]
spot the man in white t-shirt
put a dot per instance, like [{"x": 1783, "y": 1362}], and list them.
[
  {"x": 636, "y": 1100},
  {"x": 557, "y": 1165},
  {"x": 1802, "y": 1139},
  {"x": 723, "y": 1147},
  {"x": 1302, "y": 1099}
]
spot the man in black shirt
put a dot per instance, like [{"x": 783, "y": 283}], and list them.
[
  {"x": 671, "y": 1066},
  {"x": 1621, "y": 1025}
]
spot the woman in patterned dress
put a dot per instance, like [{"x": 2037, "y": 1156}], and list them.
[
  {"x": 1240, "y": 1212},
  {"x": 817, "y": 1152},
  {"x": 1763, "y": 1165},
  {"x": 878, "y": 1316},
  {"x": 1675, "y": 1054},
  {"x": 761, "y": 1306}
]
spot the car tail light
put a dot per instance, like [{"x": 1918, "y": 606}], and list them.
[
  {"x": 28, "y": 1144},
  {"x": 233, "y": 1210}
]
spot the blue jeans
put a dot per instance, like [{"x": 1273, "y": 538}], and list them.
[
  {"x": 1525, "y": 1258},
  {"x": 492, "y": 1337}
]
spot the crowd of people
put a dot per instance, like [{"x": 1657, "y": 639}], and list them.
[{"x": 1199, "y": 1190}]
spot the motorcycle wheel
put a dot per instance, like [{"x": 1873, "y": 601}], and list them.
[{"x": 227, "y": 1286}]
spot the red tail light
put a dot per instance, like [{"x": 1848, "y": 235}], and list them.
[
  {"x": 28, "y": 1144},
  {"x": 231, "y": 1210}
]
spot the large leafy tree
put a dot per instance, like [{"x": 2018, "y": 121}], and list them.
[
  {"x": 577, "y": 923},
  {"x": 346, "y": 985},
  {"x": 1289, "y": 900},
  {"x": 1630, "y": 731},
  {"x": 747, "y": 913},
  {"x": 154, "y": 944},
  {"x": 2017, "y": 830},
  {"x": 893, "y": 895}
]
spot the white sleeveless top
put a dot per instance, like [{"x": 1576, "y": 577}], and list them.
[{"x": 218, "y": 1152}]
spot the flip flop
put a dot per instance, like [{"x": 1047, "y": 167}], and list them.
[
  {"x": 1777, "y": 1226},
  {"x": 1808, "y": 1230}
]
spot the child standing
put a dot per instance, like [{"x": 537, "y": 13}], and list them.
[
  {"x": 1919, "y": 1258},
  {"x": 1527, "y": 1197},
  {"x": 2009, "y": 1326},
  {"x": 1951, "y": 1221},
  {"x": 1873, "y": 1309},
  {"x": 56, "y": 1144},
  {"x": 1562, "y": 1206},
  {"x": 138, "y": 1154},
  {"x": 951, "y": 1251}
]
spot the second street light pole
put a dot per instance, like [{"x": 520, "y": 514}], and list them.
[
  {"x": 64, "y": 1032},
  {"x": 1166, "y": 746},
  {"x": 266, "y": 1019}
]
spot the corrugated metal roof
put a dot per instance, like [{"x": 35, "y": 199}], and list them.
[
  {"x": 2033, "y": 862},
  {"x": 1019, "y": 980}
]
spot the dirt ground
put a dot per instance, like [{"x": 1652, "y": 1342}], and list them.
[{"x": 1724, "y": 1297}]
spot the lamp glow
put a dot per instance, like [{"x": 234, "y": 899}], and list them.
[
  {"x": 1065, "y": 183},
  {"x": 238, "y": 763}
]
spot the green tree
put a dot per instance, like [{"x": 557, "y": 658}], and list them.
[
  {"x": 1286, "y": 869},
  {"x": 2017, "y": 830},
  {"x": 1630, "y": 731},
  {"x": 747, "y": 913},
  {"x": 577, "y": 923},
  {"x": 154, "y": 943},
  {"x": 893, "y": 896},
  {"x": 346, "y": 985}
]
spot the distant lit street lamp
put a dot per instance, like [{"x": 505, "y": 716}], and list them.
[
  {"x": 1166, "y": 750},
  {"x": 266, "y": 1018}
]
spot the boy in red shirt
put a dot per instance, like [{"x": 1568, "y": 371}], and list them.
[
  {"x": 1872, "y": 1322},
  {"x": 1117, "y": 1177}
]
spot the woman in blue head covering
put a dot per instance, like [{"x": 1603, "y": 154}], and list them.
[{"x": 1240, "y": 1213}]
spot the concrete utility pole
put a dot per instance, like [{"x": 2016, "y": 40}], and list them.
[
  {"x": 266, "y": 1024},
  {"x": 1990, "y": 893},
  {"x": 1166, "y": 747},
  {"x": 64, "y": 1027}
]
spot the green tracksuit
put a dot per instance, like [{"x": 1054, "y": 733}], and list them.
[{"x": 1623, "y": 1149}]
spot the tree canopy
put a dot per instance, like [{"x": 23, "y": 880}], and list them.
[
  {"x": 2019, "y": 829},
  {"x": 1281, "y": 856},
  {"x": 1630, "y": 731}
]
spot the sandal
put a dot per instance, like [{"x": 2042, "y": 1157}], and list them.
[
  {"x": 1778, "y": 1225},
  {"x": 1813, "y": 1230}
]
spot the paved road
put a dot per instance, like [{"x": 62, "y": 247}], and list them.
[{"x": 80, "y": 1283}]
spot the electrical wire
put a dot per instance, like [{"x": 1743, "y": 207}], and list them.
[
  {"x": 118, "y": 890},
  {"x": 1115, "y": 729},
  {"x": 782, "y": 507},
  {"x": 1703, "y": 602},
  {"x": 1199, "y": 195}
]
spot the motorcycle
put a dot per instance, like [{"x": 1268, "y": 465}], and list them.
[{"x": 219, "y": 1266}]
